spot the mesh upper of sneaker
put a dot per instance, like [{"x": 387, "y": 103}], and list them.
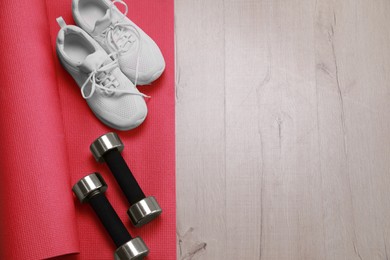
[
  {"x": 122, "y": 106},
  {"x": 119, "y": 110},
  {"x": 143, "y": 61}
]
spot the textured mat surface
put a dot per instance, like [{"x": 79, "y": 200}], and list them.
[{"x": 47, "y": 127}]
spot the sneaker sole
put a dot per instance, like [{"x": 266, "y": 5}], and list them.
[{"x": 153, "y": 78}]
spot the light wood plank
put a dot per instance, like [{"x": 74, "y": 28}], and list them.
[
  {"x": 283, "y": 129},
  {"x": 200, "y": 98}
]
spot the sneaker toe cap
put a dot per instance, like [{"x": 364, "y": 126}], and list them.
[
  {"x": 151, "y": 65},
  {"x": 125, "y": 113}
]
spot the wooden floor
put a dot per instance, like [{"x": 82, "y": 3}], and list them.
[{"x": 283, "y": 129}]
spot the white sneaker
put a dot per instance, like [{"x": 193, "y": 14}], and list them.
[
  {"x": 112, "y": 97},
  {"x": 140, "y": 59}
]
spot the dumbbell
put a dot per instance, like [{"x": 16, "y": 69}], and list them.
[
  {"x": 91, "y": 189},
  {"x": 107, "y": 148}
]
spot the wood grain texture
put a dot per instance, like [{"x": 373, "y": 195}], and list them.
[{"x": 283, "y": 129}]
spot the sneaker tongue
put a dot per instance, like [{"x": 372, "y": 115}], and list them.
[
  {"x": 93, "y": 61},
  {"x": 104, "y": 22}
]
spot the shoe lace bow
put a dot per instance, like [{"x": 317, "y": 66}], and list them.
[
  {"x": 102, "y": 78},
  {"x": 120, "y": 36}
]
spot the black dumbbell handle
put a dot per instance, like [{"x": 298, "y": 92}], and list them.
[
  {"x": 124, "y": 176},
  {"x": 110, "y": 219}
]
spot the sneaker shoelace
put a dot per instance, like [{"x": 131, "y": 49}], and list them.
[
  {"x": 101, "y": 78},
  {"x": 120, "y": 36}
]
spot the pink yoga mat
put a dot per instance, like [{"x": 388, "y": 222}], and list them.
[{"x": 46, "y": 128}]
